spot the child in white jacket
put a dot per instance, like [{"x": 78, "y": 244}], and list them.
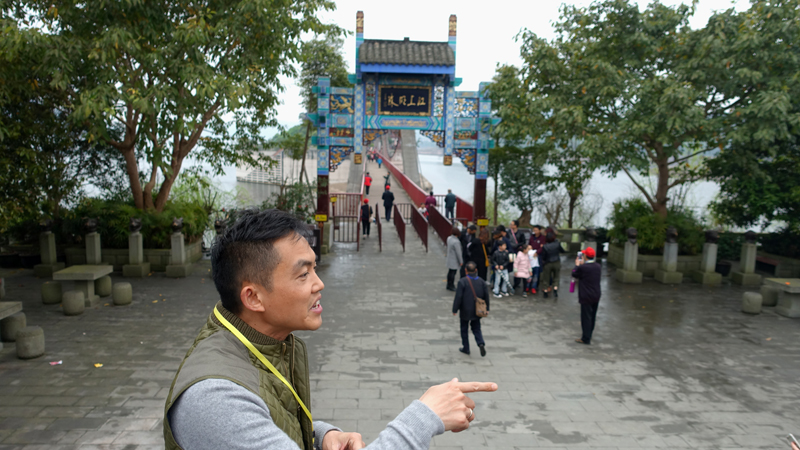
[{"x": 533, "y": 281}]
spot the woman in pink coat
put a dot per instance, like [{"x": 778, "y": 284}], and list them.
[{"x": 522, "y": 267}]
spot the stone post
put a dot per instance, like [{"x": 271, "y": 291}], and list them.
[
  {"x": 47, "y": 248},
  {"x": 94, "y": 255},
  {"x": 746, "y": 275},
  {"x": 668, "y": 272},
  {"x": 178, "y": 267},
  {"x": 628, "y": 273},
  {"x": 707, "y": 275},
  {"x": 136, "y": 267}
]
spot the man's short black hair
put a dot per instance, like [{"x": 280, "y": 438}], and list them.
[
  {"x": 516, "y": 223},
  {"x": 501, "y": 227},
  {"x": 246, "y": 252},
  {"x": 473, "y": 227},
  {"x": 471, "y": 267}
]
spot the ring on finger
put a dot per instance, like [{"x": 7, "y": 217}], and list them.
[{"x": 471, "y": 413}]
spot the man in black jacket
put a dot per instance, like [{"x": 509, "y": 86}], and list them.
[
  {"x": 466, "y": 291},
  {"x": 388, "y": 201},
  {"x": 588, "y": 273},
  {"x": 467, "y": 236}
]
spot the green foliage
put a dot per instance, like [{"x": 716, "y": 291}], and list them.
[
  {"x": 729, "y": 246},
  {"x": 783, "y": 243},
  {"x": 652, "y": 227},
  {"x": 322, "y": 56},
  {"x": 757, "y": 186},
  {"x": 115, "y": 217},
  {"x": 177, "y": 78},
  {"x": 299, "y": 199},
  {"x": 646, "y": 93}
]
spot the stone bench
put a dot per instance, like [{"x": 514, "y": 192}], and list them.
[
  {"x": 84, "y": 277},
  {"x": 765, "y": 261},
  {"x": 9, "y": 308}
]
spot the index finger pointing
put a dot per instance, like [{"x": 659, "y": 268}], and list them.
[{"x": 476, "y": 386}]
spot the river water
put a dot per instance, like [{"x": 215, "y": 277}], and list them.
[{"x": 456, "y": 177}]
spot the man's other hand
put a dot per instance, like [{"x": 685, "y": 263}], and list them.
[
  {"x": 451, "y": 405},
  {"x": 337, "y": 440}
]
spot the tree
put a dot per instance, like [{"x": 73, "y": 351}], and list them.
[
  {"x": 757, "y": 186},
  {"x": 523, "y": 181},
  {"x": 645, "y": 92},
  {"x": 321, "y": 56},
  {"x": 45, "y": 159},
  {"x": 199, "y": 78}
]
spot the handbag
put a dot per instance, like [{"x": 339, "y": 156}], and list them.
[{"x": 480, "y": 304}]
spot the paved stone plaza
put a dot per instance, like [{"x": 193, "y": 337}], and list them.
[{"x": 670, "y": 367}]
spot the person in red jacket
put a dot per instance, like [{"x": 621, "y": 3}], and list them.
[{"x": 367, "y": 183}]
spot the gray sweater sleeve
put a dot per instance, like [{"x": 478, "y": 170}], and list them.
[{"x": 217, "y": 413}]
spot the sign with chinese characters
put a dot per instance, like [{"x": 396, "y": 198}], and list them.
[{"x": 404, "y": 100}]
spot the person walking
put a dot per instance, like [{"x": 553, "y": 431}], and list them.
[
  {"x": 454, "y": 259},
  {"x": 479, "y": 253},
  {"x": 380, "y": 161},
  {"x": 522, "y": 268},
  {"x": 469, "y": 289},
  {"x": 588, "y": 273},
  {"x": 366, "y": 218},
  {"x": 449, "y": 205},
  {"x": 388, "y": 201},
  {"x": 499, "y": 261},
  {"x": 367, "y": 183},
  {"x": 551, "y": 254}
]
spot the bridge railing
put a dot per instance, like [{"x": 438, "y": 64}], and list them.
[
  {"x": 400, "y": 224},
  {"x": 419, "y": 223},
  {"x": 415, "y": 193},
  {"x": 405, "y": 211},
  {"x": 442, "y": 226}
]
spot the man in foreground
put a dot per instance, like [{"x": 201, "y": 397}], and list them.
[
  {"x": 469, "y": 289},
  {"x": 244, "y": 384}
]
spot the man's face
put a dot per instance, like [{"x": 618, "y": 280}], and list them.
[
  {"x": 292, "y": 303},
  {"x": 513, "y": 227},
  {"x": 536, "y": 231}
]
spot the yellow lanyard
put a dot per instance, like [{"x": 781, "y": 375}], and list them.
[{"x": 264, "y": 361}]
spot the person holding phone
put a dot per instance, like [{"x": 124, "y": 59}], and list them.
[{"x": 587, "y": 272}]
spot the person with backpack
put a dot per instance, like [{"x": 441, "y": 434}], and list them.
[
  {"x": 366, "y": 217},
  {"x": 471, "y": 296},
  {"x": 551, "y": 255}
]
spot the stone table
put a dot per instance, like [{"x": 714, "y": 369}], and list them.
[
  {"x": 789, "y": 297},
  {"x": 84, "y": 276},
  {"x": 7, "y": 309}
]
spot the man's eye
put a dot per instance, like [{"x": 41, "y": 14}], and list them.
[{"x": 304, "y": 275}]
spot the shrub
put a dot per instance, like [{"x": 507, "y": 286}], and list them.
[
  {"x": 729, "y": 246},
  {"x": 113, "y": 219},
  {"x": 783, "y": 243},
  {"x": 298, "y": 199},
  {"x": 652, "y": 228}
]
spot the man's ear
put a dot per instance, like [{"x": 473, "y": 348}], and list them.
[{"x": 252, "y": 297}]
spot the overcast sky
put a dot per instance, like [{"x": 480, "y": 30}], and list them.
[{"x": 486, "y": 32}]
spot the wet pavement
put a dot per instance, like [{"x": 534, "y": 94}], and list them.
[{"x": 670, "y": 367}]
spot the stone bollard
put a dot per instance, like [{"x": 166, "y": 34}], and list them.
[
  {"x": 668, "y": 272},
  {"x": 751, "y": 303},
  {"x": 707, "y": 275},
  {"x": 136, "y": 267},
  {"x": 11, "y": 325},
  {"x": 178, "y": 266},
  {"x": 123, "y": 294},
  {"x": 746, "y": 275},
  {"x": 628, "y": 273},
  {"x": 47, "y": 248},
  {"x": 102, "y": 286},
  {"x": 51, "y": 293},
  {"x": 769, "y": 295},
  {"x": 30, "y": 343},
  {"x": 73, "y": 303}
]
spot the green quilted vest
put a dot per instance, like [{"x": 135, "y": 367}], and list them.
[{"x": 217, "y": 353}]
